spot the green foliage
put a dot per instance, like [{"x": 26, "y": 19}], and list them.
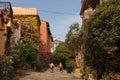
[
  {"x": 28, "y": 54},
  {"x": 63, "y": 48},
  {"x": 62, "y": 54},
  {"x": 103, "y": 37},
  {"x": 105, "y": 77},
  {"x": 74, "y": 41},
  {"x": 15, "y": 53},
  {"x": 25, "y": 51},
  {"x": 6, "y": 67},
  {"x": 30, "y": 35},
  {"x": 24, "y": 55},
  {"x": 73, "y": 36},
  {"x": 34, "y": 20},
  {"x": 70, "y": 65}
]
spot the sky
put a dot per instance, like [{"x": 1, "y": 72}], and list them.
[{"x": 59, "y": 13}]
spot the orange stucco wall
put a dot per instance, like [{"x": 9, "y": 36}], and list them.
[
  {"x": 4, "y": 25},
  {"x": 2, "y": 42},
  {"x": 45, "y": 38},
  {"x": 49, "y": 44}
]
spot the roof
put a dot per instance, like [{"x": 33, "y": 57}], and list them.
[
  {"x": 57, "y": 41},
  {"x": 24, "y": 11}
]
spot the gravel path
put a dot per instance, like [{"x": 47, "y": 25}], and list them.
[{"x": 30, "y": 75}]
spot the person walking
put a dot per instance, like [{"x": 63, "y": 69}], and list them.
[
  {"x": 52, "y": 67},
  {"x": 61, "y": 67}
]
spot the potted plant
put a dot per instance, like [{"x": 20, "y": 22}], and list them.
[
  {"x": 1, "y": 13},
  {"x": 5, "y": 20}
]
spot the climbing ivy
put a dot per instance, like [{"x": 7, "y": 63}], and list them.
[{"x": 102, "y": 42}]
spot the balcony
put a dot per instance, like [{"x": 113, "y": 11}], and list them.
[
  {"x": 6, "y": 7},
  {"x": 6, "y": 15}
]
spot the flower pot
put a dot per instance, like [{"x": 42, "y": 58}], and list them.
[
  {"x": 5, "y": 20},
  {"x": 1, "y": 13}
]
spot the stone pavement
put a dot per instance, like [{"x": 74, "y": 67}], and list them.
[{"x": 56, "y": 75}]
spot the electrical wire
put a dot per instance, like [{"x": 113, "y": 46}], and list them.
[{"x": 55, "y": 12}]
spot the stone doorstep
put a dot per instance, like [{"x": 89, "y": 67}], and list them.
[{"x": 76, "y": 75}]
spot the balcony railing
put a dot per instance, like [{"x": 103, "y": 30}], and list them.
[
  {"x": 6, "y": 6},
  {"x": 6, "y": 14}
]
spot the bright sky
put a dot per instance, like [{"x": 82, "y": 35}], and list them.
[{"x": 48, "y": 10}]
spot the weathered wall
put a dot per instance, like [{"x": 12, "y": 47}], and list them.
[
  {"x": 32, "y": 19},
  {"x": 2, "y": 42}
]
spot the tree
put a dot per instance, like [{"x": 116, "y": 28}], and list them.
[
  {"x": 103, "y": 37},
  {"x": 73, "y": 37},
  {"x": 62, "y": 54}
]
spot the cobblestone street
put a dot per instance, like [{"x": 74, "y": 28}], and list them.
[{"x": 30, "y": 75}]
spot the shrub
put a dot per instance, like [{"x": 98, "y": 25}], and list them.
[
  {"x": 6, "y": 67},
  {"x": 102, "y": 38},
  {"x": 104, "y": 77},
  {"x": 28, "y": 54},
  {"x": 70, "y": 65}
]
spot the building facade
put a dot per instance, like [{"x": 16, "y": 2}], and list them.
[
  {"x": 27, "y": 15},
  {"x": 46, "y": 37},
  {"x": 25, "y": 18},
  {"x": 6, "y": 16},
  {"x": 55, "y": 43}
]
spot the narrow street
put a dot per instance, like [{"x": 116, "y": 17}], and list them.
[{"x": 47, "y": 75}]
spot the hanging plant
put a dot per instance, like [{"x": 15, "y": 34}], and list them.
[
  {"x": 1, "y": 13},
  {"x": 6, "y": 11},
  {"x": 5, "y": 20}
]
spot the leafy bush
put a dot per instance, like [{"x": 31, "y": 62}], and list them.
[
  {"x": 6, "y": 67},
  {"x": 17, "y": 62},
  {"x": 105, "y": 77},
  {"x": 70, "y": 65},
  {"x": 62, "y": 54},
  {"x": 38, "y": 67},
  {"x": 102, "y": 44},
  {"x": 25, "y": 56},
  {"x": 28, "y": 54}
]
